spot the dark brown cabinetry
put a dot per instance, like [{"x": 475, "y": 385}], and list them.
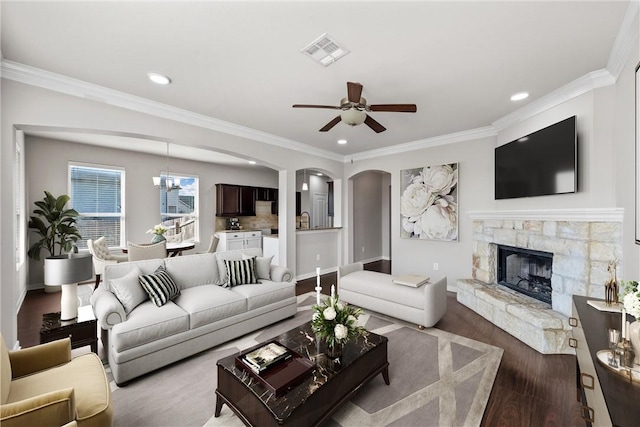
[
  {"x": 266, "y": 194},
  {"x": 235, "y": 200},
  {"x": 330, "y": 198},
  {"x": 298, "y": 203}
]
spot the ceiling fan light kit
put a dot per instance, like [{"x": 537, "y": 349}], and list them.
[{"x": 354, "y": 110}]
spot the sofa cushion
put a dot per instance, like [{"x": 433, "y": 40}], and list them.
[
  {"x": 240, "y": 272},
  {"x": 160, "y": 286},
  {"x": 193, "y": 270},
  {"x": 128, "y": 290},
  {"x": 263, "y": 266},
  {"x": 265, "y": 293},
  {"x": 149, "y": 323},
  {"x": 232, "y": 255},
  {"x": 210, "y": 303},
  {"x": 381, "y": 286}
]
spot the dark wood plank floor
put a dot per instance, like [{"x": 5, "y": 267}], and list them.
[{"x": 531, "y": 389}]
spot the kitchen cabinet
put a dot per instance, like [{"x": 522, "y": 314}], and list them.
[
  {"x": 235, "y": 200},
  {"x": 235, "y": 240},
  {"x": 266, "y": 194},
  {"x": 274, "y": 206}
]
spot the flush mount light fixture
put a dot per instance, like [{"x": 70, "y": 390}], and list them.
[
  {"x": 159, "y": 78},
  {"x": 319, "y": 174},
  {"x": 519, "y": 96},
  {"x": 252, "y": 162},
  {"x": 342, "y": 141}
]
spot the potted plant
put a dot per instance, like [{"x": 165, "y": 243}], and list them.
[{"x": 56, "y": 227}]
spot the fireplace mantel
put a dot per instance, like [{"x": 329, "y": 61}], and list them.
[{"x": 575, "y": 215}]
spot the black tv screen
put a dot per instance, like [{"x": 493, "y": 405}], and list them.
[{"x": 542, "y": 163}]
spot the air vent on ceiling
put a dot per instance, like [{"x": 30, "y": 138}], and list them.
[{"x": 325, "y": 50}]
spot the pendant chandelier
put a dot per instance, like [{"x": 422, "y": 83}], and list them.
[{"x": 170, "y": 184}]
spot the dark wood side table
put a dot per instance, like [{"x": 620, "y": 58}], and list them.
[{"x": 83, "y": 330}]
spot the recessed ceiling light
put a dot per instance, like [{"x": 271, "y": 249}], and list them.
[
  {"x": 319, "y": 174},
  {"x": 519, "y": 96},
  {"x": 252, "y": 162},
  {"x": 342, "y": 141},
  {"x": 159, "y": 79}
]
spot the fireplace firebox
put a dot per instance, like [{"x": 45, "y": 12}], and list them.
[{"x": 526, "y": 271}]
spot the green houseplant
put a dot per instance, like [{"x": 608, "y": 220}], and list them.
[{"x": 55, "y": 225}]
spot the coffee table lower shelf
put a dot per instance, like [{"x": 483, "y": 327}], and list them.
[{"x": 314, "y": 400}]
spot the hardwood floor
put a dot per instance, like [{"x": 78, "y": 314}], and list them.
[{"x": 531, "y": 389}]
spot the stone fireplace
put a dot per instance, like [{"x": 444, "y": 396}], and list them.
[
  {"x": 525, "y": 271},
  {"x": 580, "y": 242}
]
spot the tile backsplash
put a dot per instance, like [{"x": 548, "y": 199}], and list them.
[{"x": 263, "y": 219}]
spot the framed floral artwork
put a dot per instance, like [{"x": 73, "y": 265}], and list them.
[{"x": 429, "y": 203}]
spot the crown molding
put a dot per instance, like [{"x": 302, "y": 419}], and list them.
[
  {"x": 579, "y": 86},
  {"x": 625, "y": 40},
  {"x": 56, "y": 82},
  {"x": 579, "y": 214},
  {"x": 435, "y": 141}
]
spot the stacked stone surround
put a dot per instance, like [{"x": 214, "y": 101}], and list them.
[{"x": 582, "y": 243}]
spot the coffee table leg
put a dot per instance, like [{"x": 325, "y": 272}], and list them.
[
  {"x": 219, "y": 404},
  {"x": 385, "y": 375}
]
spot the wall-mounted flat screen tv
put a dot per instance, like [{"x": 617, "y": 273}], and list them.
[{"x": 539, "y": 164}]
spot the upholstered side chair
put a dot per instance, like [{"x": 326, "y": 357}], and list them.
[
  {"x": 43, "y": 385},
  {"x": 213, "y": 245},
  {"x": 147, "y": 251},
  {"x": 102, "y": 256}
]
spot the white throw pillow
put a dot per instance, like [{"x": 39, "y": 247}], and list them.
[
  {"x": 263, "y": 266},
  {"x": 128, "y": 290}
]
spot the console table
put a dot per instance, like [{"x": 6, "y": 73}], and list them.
[{"x": 606, "y": 397}]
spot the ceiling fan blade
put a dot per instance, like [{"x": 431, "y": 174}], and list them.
[
  {"x": 331, "y": 124},
  {"x": 377, "y": 127},
  {"x": 354, "y": 91},
  {"x": 332, "y": 107},
  {"x": 398, "y": 108}
]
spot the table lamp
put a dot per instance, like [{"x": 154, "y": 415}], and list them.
[{"x": 66, "y": 271}]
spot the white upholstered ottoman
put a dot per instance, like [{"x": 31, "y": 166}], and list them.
[{"x": 375, "y": 291}]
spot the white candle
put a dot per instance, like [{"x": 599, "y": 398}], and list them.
[
  {"x": 624, "y": 324},
  {"x": 333, "y": 291},
  {"x": 318, "y": 287}
]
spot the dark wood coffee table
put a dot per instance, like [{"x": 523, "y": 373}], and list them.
[{"x": 318, "y": 396}]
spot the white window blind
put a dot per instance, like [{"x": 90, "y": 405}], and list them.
[{"x": 97, "y": 193}]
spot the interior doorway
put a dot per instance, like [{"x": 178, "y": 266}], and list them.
[{"x": 320, "y": 211}]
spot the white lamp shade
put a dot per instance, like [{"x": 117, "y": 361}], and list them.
[
  {"x": 353, "y": 117},
  {"x": 66, "y": 269},
  {"x": 305, "y": 187}
]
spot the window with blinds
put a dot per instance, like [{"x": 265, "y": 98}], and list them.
[
  {"x": 179, "y": 205},
  {"x": 97, "y": 193}
]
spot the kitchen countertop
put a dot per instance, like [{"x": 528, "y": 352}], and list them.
[{"x": 304, "y": 230}]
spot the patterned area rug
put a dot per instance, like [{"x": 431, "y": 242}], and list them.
[{"x": 437, "y": 378}]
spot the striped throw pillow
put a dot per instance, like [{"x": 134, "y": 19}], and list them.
[
  {"x": 160, "y": 286},
  {"x": 240, "y": 272}
]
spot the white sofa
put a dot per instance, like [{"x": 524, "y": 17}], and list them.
[
  {"x": 375, "y": 291},
  {"x": 204, "y": 315}
]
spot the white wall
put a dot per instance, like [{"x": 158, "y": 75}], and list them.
[{"x": 385, "y": 194}]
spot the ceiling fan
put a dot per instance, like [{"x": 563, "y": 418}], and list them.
[{"x": 354, "y": 109}]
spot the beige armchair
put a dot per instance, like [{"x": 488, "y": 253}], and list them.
[
  {"x": 44, "y": 386},
  {"x": 102, "y": 256},
  {"x": 147, "y": 251}
]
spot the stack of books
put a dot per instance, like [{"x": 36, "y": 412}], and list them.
[{"x": 267, "y": 356}]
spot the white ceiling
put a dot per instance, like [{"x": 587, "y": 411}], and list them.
[{"x": 240, "y": 61}]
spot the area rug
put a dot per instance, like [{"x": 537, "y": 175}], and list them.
[{"x": 437, "y": 379}]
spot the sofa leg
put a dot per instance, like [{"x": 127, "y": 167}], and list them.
[{"x": 420, "y": 327}]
